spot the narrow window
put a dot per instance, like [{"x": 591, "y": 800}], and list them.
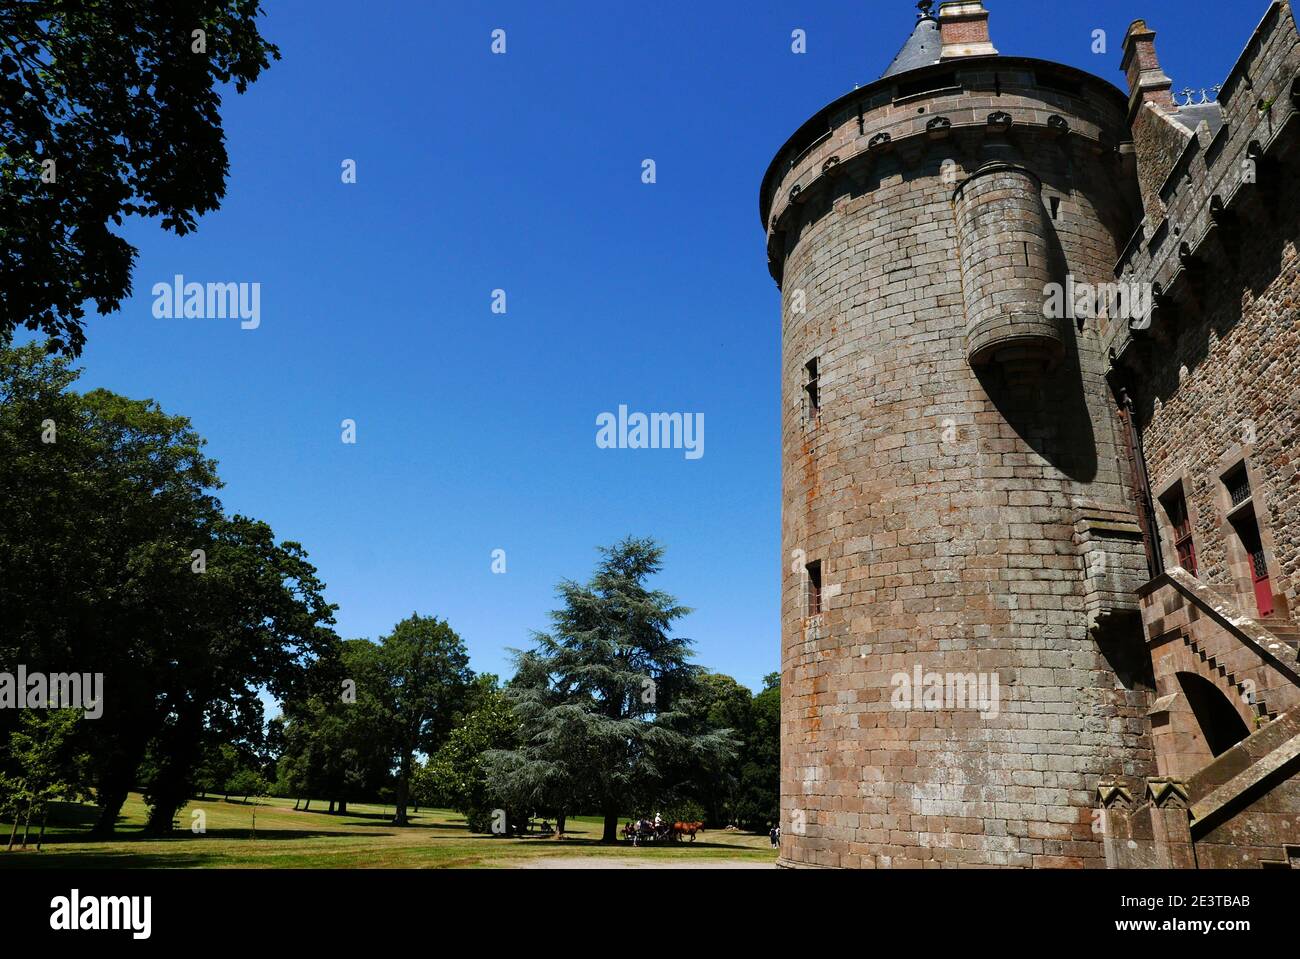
[
  {"x": 814, "y": 570},
  {"x": 812, "y": 387},
  {"x": 1175, "y": 504},
  {"x": 1238, "y": 484},
  {"x": 1247, "y": 528}
]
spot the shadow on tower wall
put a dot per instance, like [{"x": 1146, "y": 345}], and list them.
[{"x": 1051, "y": 415}]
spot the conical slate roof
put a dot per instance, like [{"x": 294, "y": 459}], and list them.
[{"x": 922, "y": 48}]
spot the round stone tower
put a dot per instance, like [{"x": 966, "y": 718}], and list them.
[{"x": 960, "y": 650}]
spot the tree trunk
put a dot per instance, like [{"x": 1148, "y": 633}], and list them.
[
  {"x": 110, "y": 796},
  {"x": 45, "y": 814},
  {"x": 160, "y": 818},
  {"x": 403, "y": 789},
  {"x": 295, "y": 803},
  {"x": 343, "y": 807},
  {"x": 611, "y": 826},
  {"x": 172, "y": 784},
  {"x": 560, "y": 819},
  {"x": 27, "y": 824},
  {"x": 307, "y": 808},
  {"x": 116, "y": 774},
  {"x": 13, "y": 832}
]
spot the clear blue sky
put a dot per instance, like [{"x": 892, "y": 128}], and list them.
[{"x": 522, "y": 172}]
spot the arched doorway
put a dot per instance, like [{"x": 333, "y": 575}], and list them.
[{"x": 1220, "y": 724}]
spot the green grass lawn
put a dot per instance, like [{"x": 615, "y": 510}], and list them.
[{"x": 363, "y": 838}]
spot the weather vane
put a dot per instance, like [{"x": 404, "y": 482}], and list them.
[{"x": 925, "y": 6}]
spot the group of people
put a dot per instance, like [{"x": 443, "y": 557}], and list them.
[
  {"x": 649, "y": 829},
  {"x": 656, "y": 830}
]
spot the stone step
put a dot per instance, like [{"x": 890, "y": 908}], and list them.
[
  {"x": 1290, "y": 859},
  {"x": 1285, "y": 630}
]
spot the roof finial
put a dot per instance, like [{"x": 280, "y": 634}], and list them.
[{"x": 925, "y": 6}]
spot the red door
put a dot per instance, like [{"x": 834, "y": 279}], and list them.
[{"x": 1259, "y": 576}]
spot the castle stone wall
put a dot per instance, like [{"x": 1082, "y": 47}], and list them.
[{"x": 942, "y": 503}]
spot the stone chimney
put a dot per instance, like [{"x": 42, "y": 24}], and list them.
[
  {"x": 1147, "y": 82},
  {"x": 964, "y": 29}
]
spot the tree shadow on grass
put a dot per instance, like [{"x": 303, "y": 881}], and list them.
[
  {"x": 373, "y": 819},
  {"x": 73, "y": 814},
  {"x": 107, "y": 860},
  {"x": 410, "y": 825},
  {"x": 184, "y": 835}
]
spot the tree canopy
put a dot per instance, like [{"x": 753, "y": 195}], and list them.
[
  {"x": 108, "y": 110},
  {"x": 603, "y": 699},
  {"x": 116, "y": 558},
  {"x": 426, "y": 679}
]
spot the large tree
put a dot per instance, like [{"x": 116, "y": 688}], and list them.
[
  {"x": 427, "y": 680},
  {"x": 721, "y": 703},
  {"x": 108, "y": 110},
  {"x": 257, "y": 620},
  {"x": 743, "y": 790},
  {"x": 116, "y": 558},
  {"x": 757, "y": 799},
  {"x": 103, "y": 498},
  {"x": 339, "y": 743},
  {"x": 457, "y": 773},
  {"x": 606, "y": 694}
]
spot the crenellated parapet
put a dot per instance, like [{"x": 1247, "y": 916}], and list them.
[{"x": 1227, "y": 175}]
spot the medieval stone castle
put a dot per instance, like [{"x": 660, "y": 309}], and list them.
[{"x": 1092, "y": 514}]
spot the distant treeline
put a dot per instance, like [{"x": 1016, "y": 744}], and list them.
[{"x": 117, "y": 558}]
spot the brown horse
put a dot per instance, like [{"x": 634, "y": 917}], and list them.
[{"x": 687, "y": 829}]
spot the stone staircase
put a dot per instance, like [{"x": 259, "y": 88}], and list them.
[
  {"x": 1249, "y": 769},
  {"x": 1237, "y": 688},
  {"x": 1240, "y": 809},
  {"x": 1274, "y": 639},
  {"x": 1284, "y": 630}
]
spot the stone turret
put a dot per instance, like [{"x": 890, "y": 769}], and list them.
[
  {"x": 1041, "y": 571},
  {"x": 954, "y": 504}
]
